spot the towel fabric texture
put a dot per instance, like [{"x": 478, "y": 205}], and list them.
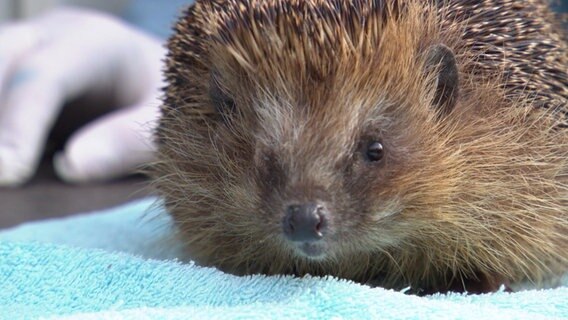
[{"x": 119, "y": 264}]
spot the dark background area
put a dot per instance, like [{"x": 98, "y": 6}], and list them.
[{"x": 47, "y": 197}]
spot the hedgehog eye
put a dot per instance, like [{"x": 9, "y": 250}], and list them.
[
  {"x": 223, "y": 103},
  {"x": 375, "y": 151}
]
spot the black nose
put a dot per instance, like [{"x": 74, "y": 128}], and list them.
[{"x": 305, "y": 222}]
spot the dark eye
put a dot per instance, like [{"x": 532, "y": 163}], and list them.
[
  {"x": 224, "y": 104},
  {"x": 375, "y": 151}
]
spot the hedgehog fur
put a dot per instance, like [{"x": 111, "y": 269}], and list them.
[{"x": 272, "y": 101}]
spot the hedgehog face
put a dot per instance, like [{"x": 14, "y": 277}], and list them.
[
  {"x": 331, "y": 133},
  {"x": 305, "y": 146},
  {"x": 327, "y": 183},
  {"x": 328, "y": 160}
]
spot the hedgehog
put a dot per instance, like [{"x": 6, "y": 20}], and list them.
[{"x": 402, "y": 144}]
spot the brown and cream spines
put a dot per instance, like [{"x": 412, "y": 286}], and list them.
[{"x": 398, "y": 143}]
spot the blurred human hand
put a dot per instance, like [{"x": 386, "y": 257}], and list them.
[{"x": 62, "y": 55}]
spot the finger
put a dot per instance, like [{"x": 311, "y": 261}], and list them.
[
  {"x": 28, "y": 108},
  {"x": 111, "y": 63},
  {"x": 114, "y": 146},
  {"x": 16, "y": 42},
  {"x": 28, "y": 113}
]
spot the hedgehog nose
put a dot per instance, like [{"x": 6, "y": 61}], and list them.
[{"x": 305, "y": 222}]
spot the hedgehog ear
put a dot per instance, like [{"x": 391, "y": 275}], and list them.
[{"x": 441, "y": 59}]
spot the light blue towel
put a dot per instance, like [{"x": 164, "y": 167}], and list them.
[{"x": 112, "y": 265}]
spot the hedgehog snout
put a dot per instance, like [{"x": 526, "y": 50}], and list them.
[
  {"x": 305, "y": 222},
  {"x": 305, "y": 225}
]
